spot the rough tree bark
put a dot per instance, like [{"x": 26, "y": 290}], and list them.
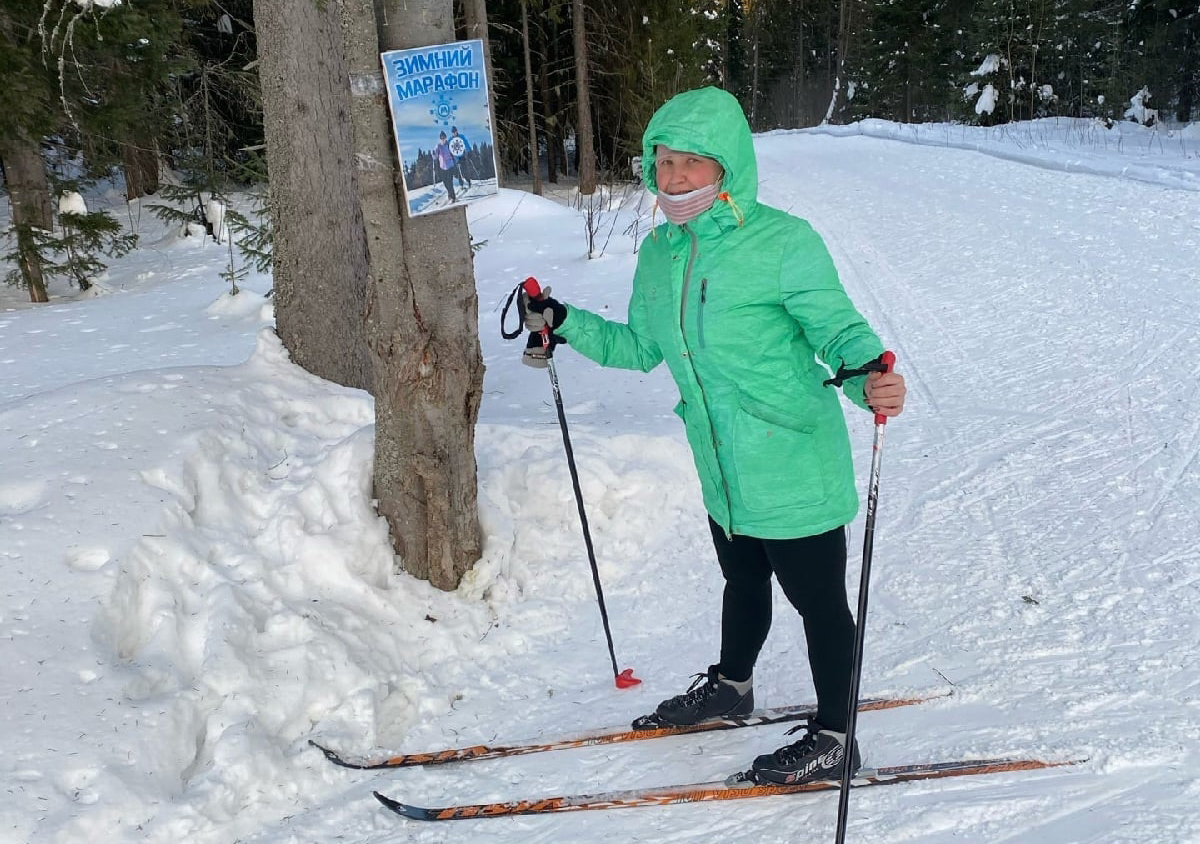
[
  {"x": 584, "y": 142},
  {"x": 422, "y": 318},
  {"x": 29, "y": 194},
  {"x": 320, "y": 250},
  {"x": 140, "y": 164}
]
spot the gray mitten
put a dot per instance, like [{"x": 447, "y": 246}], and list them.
[{"x": 541, "y": 313}]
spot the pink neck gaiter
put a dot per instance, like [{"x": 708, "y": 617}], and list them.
[{"x": 685, "y": 207}]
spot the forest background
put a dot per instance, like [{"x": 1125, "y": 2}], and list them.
[{"x": 145, "y": 88}]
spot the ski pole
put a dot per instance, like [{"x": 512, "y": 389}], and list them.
[
  {"x": 888, "y": 360},
  {"x": 623, "y": 679}
]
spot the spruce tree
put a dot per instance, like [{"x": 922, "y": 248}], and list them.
[
  {"x": 84, "y": 78},
  {"x": 27, "y": 113}
]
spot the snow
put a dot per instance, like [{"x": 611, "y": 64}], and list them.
[
  {"x": 214, "y": 213},
  {"x": 195, "y": 582},
  {"x": 71, "y": 202},
  {"x": 424, "y": 199},
  {"x": 1158, "y": 155},
  {"x": 1138, "y": 111},
  {"x": 990, "y": 64},
  {"x": 986, "y": 103}
]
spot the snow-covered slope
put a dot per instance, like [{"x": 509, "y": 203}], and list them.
[{"x": 195, "y": 582}]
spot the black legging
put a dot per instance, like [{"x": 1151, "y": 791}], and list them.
[
  {"x": 447, "y": 177},
  {"x": 812, "y": 572}
]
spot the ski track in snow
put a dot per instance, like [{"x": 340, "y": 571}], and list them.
[
  {"x": 1030, "y": 532},
  {"x": 1053, "y": 431},
  {"x": 196, "y": 582}
]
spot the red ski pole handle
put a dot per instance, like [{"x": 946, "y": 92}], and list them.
[
  {"x": 888, "y": 359},
  {"x": 534, "y": 291}
]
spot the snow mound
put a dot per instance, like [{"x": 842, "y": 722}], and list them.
[
  {"x": 246, "y": 304},
  {"x": 264, "y": 610}
]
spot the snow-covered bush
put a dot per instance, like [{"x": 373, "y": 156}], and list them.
[
  {"x": 1138, "y": 111},
  {"x": 981, "y": 95}
]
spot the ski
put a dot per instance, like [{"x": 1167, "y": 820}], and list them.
[
  {"x": 737, "y": 787},
  {"x": 644, "y": 728}
]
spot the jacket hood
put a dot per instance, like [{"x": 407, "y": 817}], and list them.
[{"x": 708, "y": 121}]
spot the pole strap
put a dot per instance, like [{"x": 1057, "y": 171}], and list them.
[
  {"x": 843, "y": 374},
  {"x": 511, "y": 335}
]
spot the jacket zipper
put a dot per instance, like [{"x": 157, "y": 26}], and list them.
[
  {"x": 687, "y": 280},
  {"x": 700, "y": 312}
]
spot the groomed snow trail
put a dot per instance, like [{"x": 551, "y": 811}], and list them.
[
  {"x": 1034, "y": 552},
  {"x": 196, "y": 581},
  {"x": 1043, "y": 483}
]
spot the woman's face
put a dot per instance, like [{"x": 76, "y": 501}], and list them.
[{"x": 679, "y": 172}]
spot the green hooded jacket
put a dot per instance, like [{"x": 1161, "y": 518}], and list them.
[{"x": 740, "y": 303}]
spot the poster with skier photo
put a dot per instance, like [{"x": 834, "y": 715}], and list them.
[{"x": 439, "y": 102}]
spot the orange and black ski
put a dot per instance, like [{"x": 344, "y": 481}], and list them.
[
  {"x": 737, "y": 787},
  {"x": 644, "y": 728}
]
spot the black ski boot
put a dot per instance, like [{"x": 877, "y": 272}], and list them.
[
  {"x": 817, "y": 756},
  {"x": 710, "y": 696}
]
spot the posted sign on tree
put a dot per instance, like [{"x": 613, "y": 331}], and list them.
[{"x": 439, "y": 101}]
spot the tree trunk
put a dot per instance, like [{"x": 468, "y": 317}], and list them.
[
  {"x": 802, "y": 107},
  {"x": 549, "y": 120},
  {"x": 28, "y": 187},
  {"x": 30, "y": 264},
  {"x": 836, "y": 98},
  {"x": 1191, "y": 73},
  {"x": 320, "y": 252},
  {"x": 584, "y": 142},
  {"x": 29, "y": 195},
  {"x": 140, "y": 164},
  {"x": 755, "y": 26},
  {"x": 476, "y": 16},
  {"x": 529, "y": 110},
  {"x": 422, "y": 319}
]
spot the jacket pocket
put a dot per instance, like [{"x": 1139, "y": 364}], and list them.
[
  {"x": 776, "y": 416},
  {"x": 776, "y": 459},
  {"x": 700, "y": 312}
]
